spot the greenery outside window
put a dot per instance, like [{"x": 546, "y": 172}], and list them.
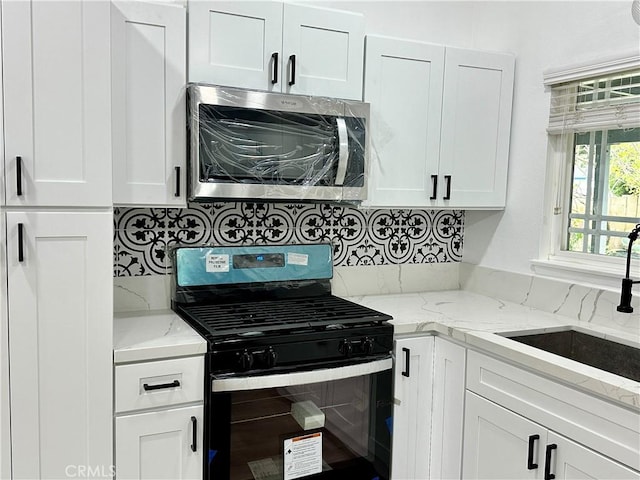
[{"x": 596, "y": 123}]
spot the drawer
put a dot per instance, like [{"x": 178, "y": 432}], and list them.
[
  {"x": 596, "y": 423},
  {"x": 159, "y": 384}
]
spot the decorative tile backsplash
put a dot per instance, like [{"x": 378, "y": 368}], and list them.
[{"x": 359, "y": 237}]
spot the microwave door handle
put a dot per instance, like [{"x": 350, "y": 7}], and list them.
[{"x": 343, "y": 153}]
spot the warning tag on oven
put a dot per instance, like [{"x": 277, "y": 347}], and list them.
[
  {"x": 216, "y": 263},
  {"x": 302, "y": 456}
]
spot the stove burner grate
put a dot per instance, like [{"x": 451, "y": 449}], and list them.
[{"x": 324, "y": 312}]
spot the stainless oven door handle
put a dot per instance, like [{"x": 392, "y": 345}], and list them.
[
  {"x": 343, "y": 153},
  {"x": 235, "y": 384}
]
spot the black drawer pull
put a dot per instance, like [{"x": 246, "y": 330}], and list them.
[
  {"x": 292, "y": 62},
  {"x": 194, "y": 428},
  {"x": 532, "y": 441},
  {"x": 19, "y": 176},
  {"x": 20, "y": 242},
  {"x": 160, "y": 386},
  {"x": 274, "y": 74},
  {"x": 177, "y": 191},
  {"x": 547, "y": 462},
  {"x": 434, "y": 187},
  {"x": 407, "y": 361},
  {"x": 447, "y": 195}
]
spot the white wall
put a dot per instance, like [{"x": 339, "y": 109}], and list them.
[{"x": 542, "y": 35}]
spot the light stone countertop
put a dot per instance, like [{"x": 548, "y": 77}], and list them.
[
  {"x": 475, "y": 319},
  {"x": 153, "y": 335},
  {"x": 461, "y": 315}
]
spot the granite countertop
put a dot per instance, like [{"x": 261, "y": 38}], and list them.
[
  {"x": 461, "y": 315},
  {"x": 153, "y": 335},
  {"x": 476, "y": 319}
]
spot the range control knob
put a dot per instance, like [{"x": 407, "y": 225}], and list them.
[
  {"x": 346, "y": 348},
  {"x": 367, "y": 345},
  {"x": 245, "y": 360},
  {"x": 270, "y": 357}
]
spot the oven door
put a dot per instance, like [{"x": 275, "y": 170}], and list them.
[{"x": 321, "y": 424}]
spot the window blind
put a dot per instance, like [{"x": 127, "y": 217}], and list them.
[{"x": 609, "y": 101}]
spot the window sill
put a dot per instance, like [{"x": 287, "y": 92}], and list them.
[{"x": 603, "y": 275}]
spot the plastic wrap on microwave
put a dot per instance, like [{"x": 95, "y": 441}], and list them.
[
  {"x": 205, "y": 266},
  {"x": 270, "y": 146}
]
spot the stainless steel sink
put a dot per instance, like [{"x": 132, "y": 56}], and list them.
[{"x": 613, "y": 357}]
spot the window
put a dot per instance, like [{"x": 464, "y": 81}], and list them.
[{"x": 594, "y": 128}]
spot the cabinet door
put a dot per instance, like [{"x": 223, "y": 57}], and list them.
[
  {"x": 572, "y": 461},
  {"x": 60, "y": 338},
  {"x": 411, "y": 414},
  {"x": 160, "y": 445},
  {"x": 148, "y": 62},
  {"x": 57, "y": 103},
  {"x": 448, "y": 410},
  {"x": 403, "y": 84},
  {"x": 237, "y": 44},
  {"x": 496, "y": 442},
  {"x": 5, "y": 426},
  {"x": 476, "y": 123},
  {"x": 328, "y": 46}
]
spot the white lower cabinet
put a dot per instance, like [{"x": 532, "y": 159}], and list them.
[
  {"x": 165, "y": 444},
  {"x": 427, "y": 417},
  {"x": 59, "y": 295},
  {"x": 500, "y": 444},
  {"x": 522, "y": 425},
  {"x": 159, "y": 419}
]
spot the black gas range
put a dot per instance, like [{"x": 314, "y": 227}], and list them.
[{"x": 275, "y": 331}]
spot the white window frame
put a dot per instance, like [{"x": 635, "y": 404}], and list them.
[{"x": 585, "y": 268}]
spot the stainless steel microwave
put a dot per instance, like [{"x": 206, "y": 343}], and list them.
[{"x": 247, "y": 144}]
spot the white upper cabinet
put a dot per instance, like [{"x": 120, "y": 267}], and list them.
[
  {"x": 148, "y": 57},
  {"x": 325, "y": 48},
  {"x": 57, "y": 103},
  {"x": 236, "y": 44},
  {"x": 403, "y": 84},
  {"x": 476, "y": 125},
  {"x": 440, "y": 123},
  {"x": 276, "y": 47}
]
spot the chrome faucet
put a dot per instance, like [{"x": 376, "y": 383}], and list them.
[{"x": 627, "y": 283}]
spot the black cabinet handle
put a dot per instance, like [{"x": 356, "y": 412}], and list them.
[
  {"x": 173, "y": 384},
  {"x": 532, "y": 441},
  {"x": 19, "y": 176},
  {"x": 20, "y": 243},
  {"x": 447, "y": 195},
  {"x": 434, "y": 187},
  {"x": 407, "y": 361},
  {"x": 177, "y": 191},
  {"x": 274, "y": 71},
  {"x": 292, "y": 62},
  {"x": 547, "y": 462},
  {"x": 194, "y": 428}
]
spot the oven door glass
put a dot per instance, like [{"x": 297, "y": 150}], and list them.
[
  {"x": 334, "y": 429},
  {"x": 240, "y": 145}
]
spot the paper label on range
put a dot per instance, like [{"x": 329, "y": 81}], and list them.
[
  {"x": 217, "y": 263},
  {"x": 302, "y": 456},
  {"x": 298, "y": 259}
]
